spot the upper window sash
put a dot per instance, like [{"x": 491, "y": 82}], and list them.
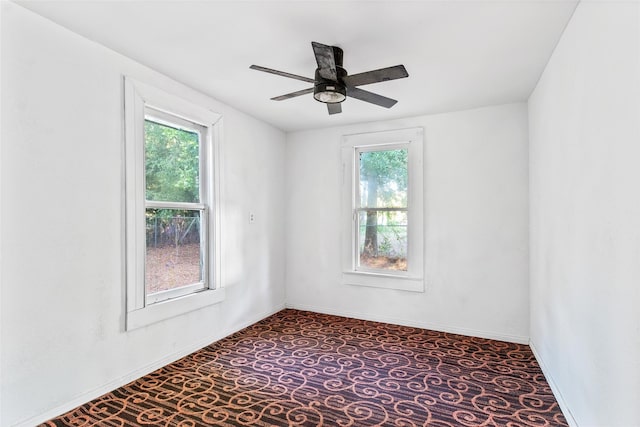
[
  {"x": 177, "y": 122},
  {"x": 357, "y": 184}
]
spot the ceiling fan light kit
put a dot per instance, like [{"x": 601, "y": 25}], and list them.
[
  {"x": 328, "y": 91},
  {"x": 331, "y": 93},
  {"x": 332, "y": 84}
]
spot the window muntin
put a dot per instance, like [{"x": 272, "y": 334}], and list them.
[{"x": 381, "y": 221}]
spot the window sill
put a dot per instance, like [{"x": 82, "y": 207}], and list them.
[
  {"x": 173, "y": 307},
  {"x": 381, "y": 280}
]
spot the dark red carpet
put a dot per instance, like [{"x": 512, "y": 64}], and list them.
[{"x": 305, "y": 369}]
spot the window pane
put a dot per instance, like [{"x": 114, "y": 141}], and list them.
[
  {"x": 382, "y": 239},
  {"x": 172, "y": 163},
  {"x": 174, "y": 254},
  {"x": 383, "y": 179}
]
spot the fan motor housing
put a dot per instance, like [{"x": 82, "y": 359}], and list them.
[{"x": 329, "y": 91}]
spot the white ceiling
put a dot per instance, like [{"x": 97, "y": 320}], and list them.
[{"x": 459, "y": 54}]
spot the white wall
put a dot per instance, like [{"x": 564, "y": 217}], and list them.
[
  {"x": 584, "y": 120},
  {"x": 476, "y": 222},
  {"x": 62, "y": 224}
]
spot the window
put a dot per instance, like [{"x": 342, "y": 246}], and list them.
[
  {"x": 171, "y": 205},
  {"x": 175, "y": 206},
  {"x": 383, "y": 210}
]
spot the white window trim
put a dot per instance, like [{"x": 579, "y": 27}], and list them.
[
  {"x": 413, "y": 278},
  {"x": 137, "y": 96}
]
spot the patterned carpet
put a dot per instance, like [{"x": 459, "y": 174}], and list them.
[{"x": 300, "y": 368}]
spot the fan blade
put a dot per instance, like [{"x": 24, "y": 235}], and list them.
[
  {"x": 334, "y": 108},
  {"x": 282, "y": 73},
  {"x": 292, "y": 94},
  {"x": 375, "y": 76},
  {"x": 371, "y": 97},
  {"x": 326, "y": 61}
]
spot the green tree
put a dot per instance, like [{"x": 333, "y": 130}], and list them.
[
  {"x": 383, "y": 181},
  {"x": 171, "y": 163}
]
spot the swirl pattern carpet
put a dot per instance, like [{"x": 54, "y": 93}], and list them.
[{"x": 299, "y": 368}]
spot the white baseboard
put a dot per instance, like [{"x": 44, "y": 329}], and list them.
[
  {"x": 112, "y": 385},
  {"x": 554, "y": 388},
  {"x": 416, "y": 324}
]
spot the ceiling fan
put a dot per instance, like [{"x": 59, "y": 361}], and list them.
[{"x": 332, "y": 84}]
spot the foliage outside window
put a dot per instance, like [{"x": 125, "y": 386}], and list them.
[
  {"x": 172, "y": 161},
  {"x": 383, "y": 229}
]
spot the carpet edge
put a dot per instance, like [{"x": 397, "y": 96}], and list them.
[{"x": 517, "y": 339}]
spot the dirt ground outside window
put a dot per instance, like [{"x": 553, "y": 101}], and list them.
[{"x": 170, "y": 267}]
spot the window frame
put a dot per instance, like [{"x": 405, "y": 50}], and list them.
[
  {"x": 413, "y": 278},
  {"x": 139, "y": 99},
  {"x": 202, "y": 206},
  {"x": 358, "y": 208}
]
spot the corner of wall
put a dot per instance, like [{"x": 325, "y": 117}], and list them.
[{"x": 566, "y": 411}]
